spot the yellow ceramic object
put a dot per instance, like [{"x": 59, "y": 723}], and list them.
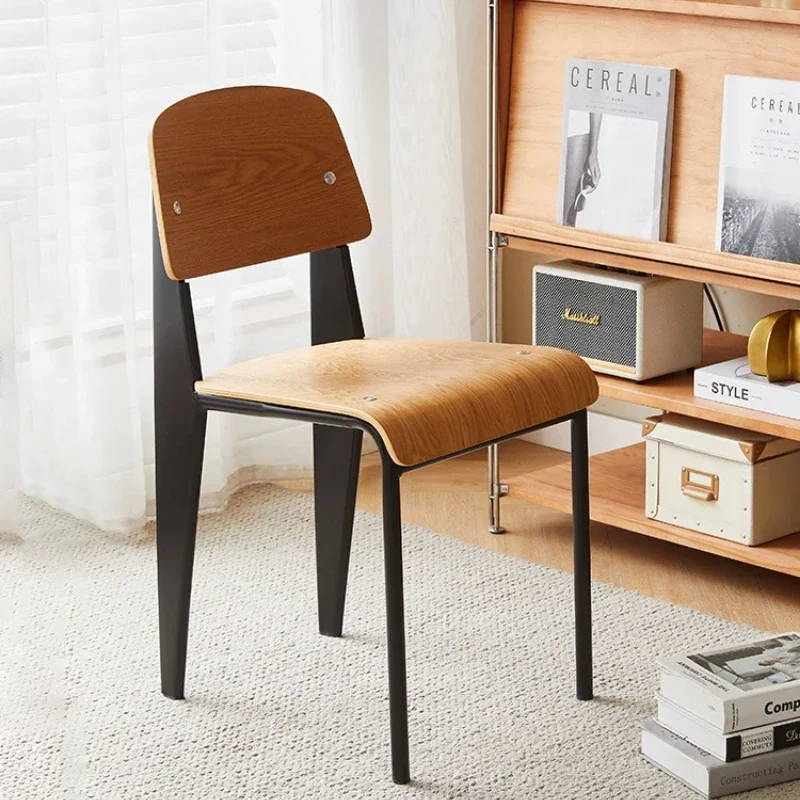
[{"x": 774, "y": 346}]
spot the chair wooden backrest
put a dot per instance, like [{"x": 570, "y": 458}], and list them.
[{"x": 251, "y": 174}]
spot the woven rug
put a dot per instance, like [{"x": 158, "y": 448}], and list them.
[{"x": 273, "y": 710}]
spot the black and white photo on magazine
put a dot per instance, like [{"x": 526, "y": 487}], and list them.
[
  {"x": 769, "y": 662},
  {"x": 612, "y": 173},
  {"x": 759, "y": 173},
  {"x": 760, "y": 215}
]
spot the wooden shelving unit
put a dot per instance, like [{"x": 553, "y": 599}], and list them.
[{"x": 704, "y": 40}]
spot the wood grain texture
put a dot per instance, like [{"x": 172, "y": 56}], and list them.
[
  {"x": 736, "y": 587},
  {"x": 676, "y": 392},
  {"x": 652, "y": 252},
  {"x": 432, "y": 398},
  {"x": 703, "y": 49},
  {"x": 246, "y": 165},
  {"x": 780, "y": 12},
  {"x": 650, "y": 267},
  {"x": 505, "y": 43},
  {"x": 649, "y": 566},
  {"x": 618, "y": 498}
]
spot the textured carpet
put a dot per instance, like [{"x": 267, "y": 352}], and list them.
[{"x": 275, "y": 711}]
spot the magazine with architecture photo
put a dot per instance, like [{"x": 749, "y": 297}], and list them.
[
  {"x": 758, "y": 211},
  {"x": 737, "y": 687},
  {"x": 616, "y": 148}
]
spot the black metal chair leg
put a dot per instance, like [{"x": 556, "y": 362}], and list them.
[
  {"x": 337, "y": 452},
  {"x": 582, "y": 556},
  {"x": 395, "y": 624},
  {"x": 179, "y": 463}
]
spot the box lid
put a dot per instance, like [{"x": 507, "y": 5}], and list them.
[{"x": 724, "y": 441}]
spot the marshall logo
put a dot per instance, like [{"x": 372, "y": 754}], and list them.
[{"x": 581, "y": 316}]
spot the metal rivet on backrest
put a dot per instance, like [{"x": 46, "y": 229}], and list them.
[
  {"x": 176, "y": 207},
  {"x": 523, "y": 352},
  {"x": 329, "y": 178},
  {"x": 369, "y": 398}
]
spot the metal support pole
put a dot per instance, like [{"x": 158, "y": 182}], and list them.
[{"x": 492, "y": 267}]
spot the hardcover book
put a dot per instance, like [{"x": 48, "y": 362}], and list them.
[
  {"x": 737, "y": 687},
  {"x": 759, "y": 174},
  {"x": 709, "y": 776},
  {"x": 616, "y": 148},
  {"x": 727, "y": 746},
  {"x": 733, "y": 383}
]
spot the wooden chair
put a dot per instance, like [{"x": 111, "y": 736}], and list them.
[{"x": 247, "y": 175}]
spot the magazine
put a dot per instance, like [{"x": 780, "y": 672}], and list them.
[
  {"x": 616, "y": 148},
  {"x": 759, "y": 174},
  {"x": 738, "y": 687}
]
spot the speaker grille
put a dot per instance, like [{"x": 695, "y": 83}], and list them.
[{"x": 613, "y": 340}]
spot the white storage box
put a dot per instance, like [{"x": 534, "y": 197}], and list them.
[{"x": 721, "y": 480}]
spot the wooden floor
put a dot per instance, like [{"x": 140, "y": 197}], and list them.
[{"x": 451, "y": 498}]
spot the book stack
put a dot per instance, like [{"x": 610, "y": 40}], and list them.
[{"x": 729, "y": 719}]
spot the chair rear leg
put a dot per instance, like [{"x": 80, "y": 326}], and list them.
[
  {"x": 582, "y": 556},
  {"x": 179, "y": 463},
  {"x": 337, "y": 453},
  {"x": 395, "y": 623}
]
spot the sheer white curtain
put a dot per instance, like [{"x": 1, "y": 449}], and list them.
[{"x": 80, "y": 83}]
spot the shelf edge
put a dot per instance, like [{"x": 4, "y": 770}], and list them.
[
  {"x": 743, "y": 12},
  {"x": 644, "y": 251}
]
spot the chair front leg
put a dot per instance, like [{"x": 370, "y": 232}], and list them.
[
  {"x": 337, "y": 454},
  {"x": 395, "y": 622},
  {"x": 582, "y": 556}
]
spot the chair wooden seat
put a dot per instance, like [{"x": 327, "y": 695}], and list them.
[{"x": 432, "y": 398}]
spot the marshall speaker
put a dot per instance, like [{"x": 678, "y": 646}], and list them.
[{"x": 632, "y": 326}]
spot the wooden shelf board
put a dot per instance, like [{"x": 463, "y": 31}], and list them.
[
  {"x": 748, "y": 10},
  {"x": 617, "y": 487},
  {"x": 650, "y": 267},
  {"x": 649, "y": 253},
  {"x": 676, "y": 392}
]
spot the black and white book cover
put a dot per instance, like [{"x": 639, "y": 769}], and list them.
[
  {"x": 709, "y": 776},
  {"x": 740, "y": 686},
  {"x": 616, "y": 148},
  {"x": 727, "y": 746},
  {"x": 759, "y": 177},
  {"x": 734, "y": 383}
]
